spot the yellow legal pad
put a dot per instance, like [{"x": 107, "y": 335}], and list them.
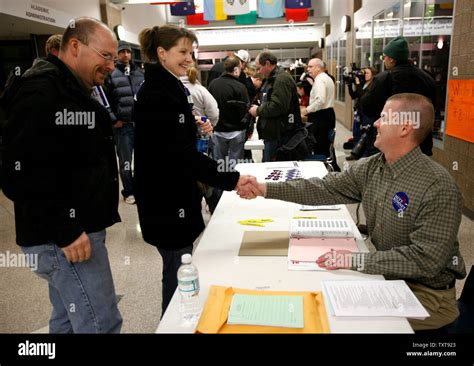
[{"x": 214, "y": 316}]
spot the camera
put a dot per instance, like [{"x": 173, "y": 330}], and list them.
[{"x": 351, "y": 72}]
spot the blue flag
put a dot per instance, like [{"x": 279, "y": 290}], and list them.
[
  {"x": 298, "y": 4},
  {"x": 270, "y": 8},
  {"x": 183, "y": 8}
]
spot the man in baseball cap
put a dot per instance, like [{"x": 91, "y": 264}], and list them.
[
  {"x": 124, "y": 46},
  {"x": 243, "y": 56}
]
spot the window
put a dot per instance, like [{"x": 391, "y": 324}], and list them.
[
  {"x": 341, "y": 64},
  {"x": 427, "y": 26},
  {"x": 362, "y": 45}
]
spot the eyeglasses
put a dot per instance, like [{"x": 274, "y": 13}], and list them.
[{"x": 105, "y": 55}]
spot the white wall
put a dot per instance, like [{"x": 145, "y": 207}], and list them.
[
  {"x": 258, "y": 37},
  {"x": 57, "y": 13},
  {"x": 338, "y": 9},
  {"x": 371, "y": 8},
  {"x": 137, "y": 17},
  {"x": 89, "y": 8}
]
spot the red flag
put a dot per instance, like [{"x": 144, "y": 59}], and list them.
[
  {"x": 296, "y": 15},
  {"x": 196, "y": 19}
]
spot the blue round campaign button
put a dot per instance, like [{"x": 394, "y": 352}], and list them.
[{"x": 400, "y": 201}]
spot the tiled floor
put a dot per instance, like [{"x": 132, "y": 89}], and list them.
[{"x": 136, "y": 268}]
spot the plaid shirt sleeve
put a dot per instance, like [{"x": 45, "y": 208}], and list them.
[
  {"x": 334, "y": 188},
  {"x": 419, "y": 243}
]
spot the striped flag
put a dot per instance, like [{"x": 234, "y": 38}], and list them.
[
  {"x": 244, "y": 19},
  {"x": 236, "y": 7},
  {"x": 214, "y": 10}
]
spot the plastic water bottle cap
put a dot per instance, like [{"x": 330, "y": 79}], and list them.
[
  {"x": 204, "y": 118},
  {"x": 186, "y": 258}
]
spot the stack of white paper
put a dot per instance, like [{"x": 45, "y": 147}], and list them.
[{"x": 372, "y": 298}]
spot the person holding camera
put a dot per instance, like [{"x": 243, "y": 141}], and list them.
[{"x": 362, "y": 123}]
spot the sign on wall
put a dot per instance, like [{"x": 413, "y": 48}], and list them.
[{"x": 461, "y": 109}]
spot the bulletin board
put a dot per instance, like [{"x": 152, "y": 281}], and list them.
[{"x": 460, "y": 123}]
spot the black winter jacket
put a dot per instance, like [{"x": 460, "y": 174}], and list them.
[
  {"x": 280, "y": 109},
  {"x": 62, "y": 178},
  {"x": 403, "y": 78},
  {"x": 168, "y": 165},
  {"x": 228, "y": 92},
  {"x": 121, "y": 90}
]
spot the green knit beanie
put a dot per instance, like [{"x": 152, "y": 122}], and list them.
[{"x": 397, "y": 49}]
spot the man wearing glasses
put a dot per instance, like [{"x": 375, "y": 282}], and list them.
[
  {"x": 61, "y": 172},
  {"x": 401, "y": 77}
]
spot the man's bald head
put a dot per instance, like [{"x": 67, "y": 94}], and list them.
[
  {"x": 89, "y": 48},
  {"x": 83, "y": 29},
  {"x": 315, "y": 67}
]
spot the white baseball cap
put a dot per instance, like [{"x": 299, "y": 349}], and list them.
[{"x": 242, "y": 55}]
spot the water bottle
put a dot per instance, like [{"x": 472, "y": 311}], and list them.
[
  {"x": 188, "y": 285},
  {"x": 203, "y": 141}
]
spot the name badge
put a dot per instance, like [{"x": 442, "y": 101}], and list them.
[{"x": 400, "y": 201}]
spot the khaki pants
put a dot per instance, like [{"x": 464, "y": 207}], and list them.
[{"x": 440, "y": 304}]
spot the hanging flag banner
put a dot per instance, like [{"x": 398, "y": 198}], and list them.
[
  {"x": 236, "y": 7},
  {"x": 198, "y": 6},
  {"x": 297, "y": 4},
  {"x": 270, "y": 8},
  {"x": 296, "y": 15},
  {"x": 184, "y": 8},
  {"x": 245, "y": 19},
  {"x": 196, "y": 19},
  {"x": 214, "y": 10}
]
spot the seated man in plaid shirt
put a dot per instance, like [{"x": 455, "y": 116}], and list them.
[{"x": 412, "y": 204}]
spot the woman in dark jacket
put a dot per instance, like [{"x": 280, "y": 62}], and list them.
[
  {"x": 363, "y": 124},
  {"x": 167, "y": 164}
]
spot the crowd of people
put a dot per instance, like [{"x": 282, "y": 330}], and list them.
[{"x": 65, "y": 185}]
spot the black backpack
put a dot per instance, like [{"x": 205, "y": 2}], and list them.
[{"x": 298, "y": 144}]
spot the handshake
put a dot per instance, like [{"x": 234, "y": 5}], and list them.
[{"x": 248, "y": 188}]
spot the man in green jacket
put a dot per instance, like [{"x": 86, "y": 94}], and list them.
[{"x": 279, "y": 111}]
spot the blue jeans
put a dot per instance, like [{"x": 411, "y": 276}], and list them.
[
  {"x": 82, "y": 294},
  {"x": 227, "y": 152},
  {"x": 269, "y": 152},
  {"x": 124, "y": 140},
  {"x": 233, "y": 149},
  {"x": 356, "y": 132}
]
